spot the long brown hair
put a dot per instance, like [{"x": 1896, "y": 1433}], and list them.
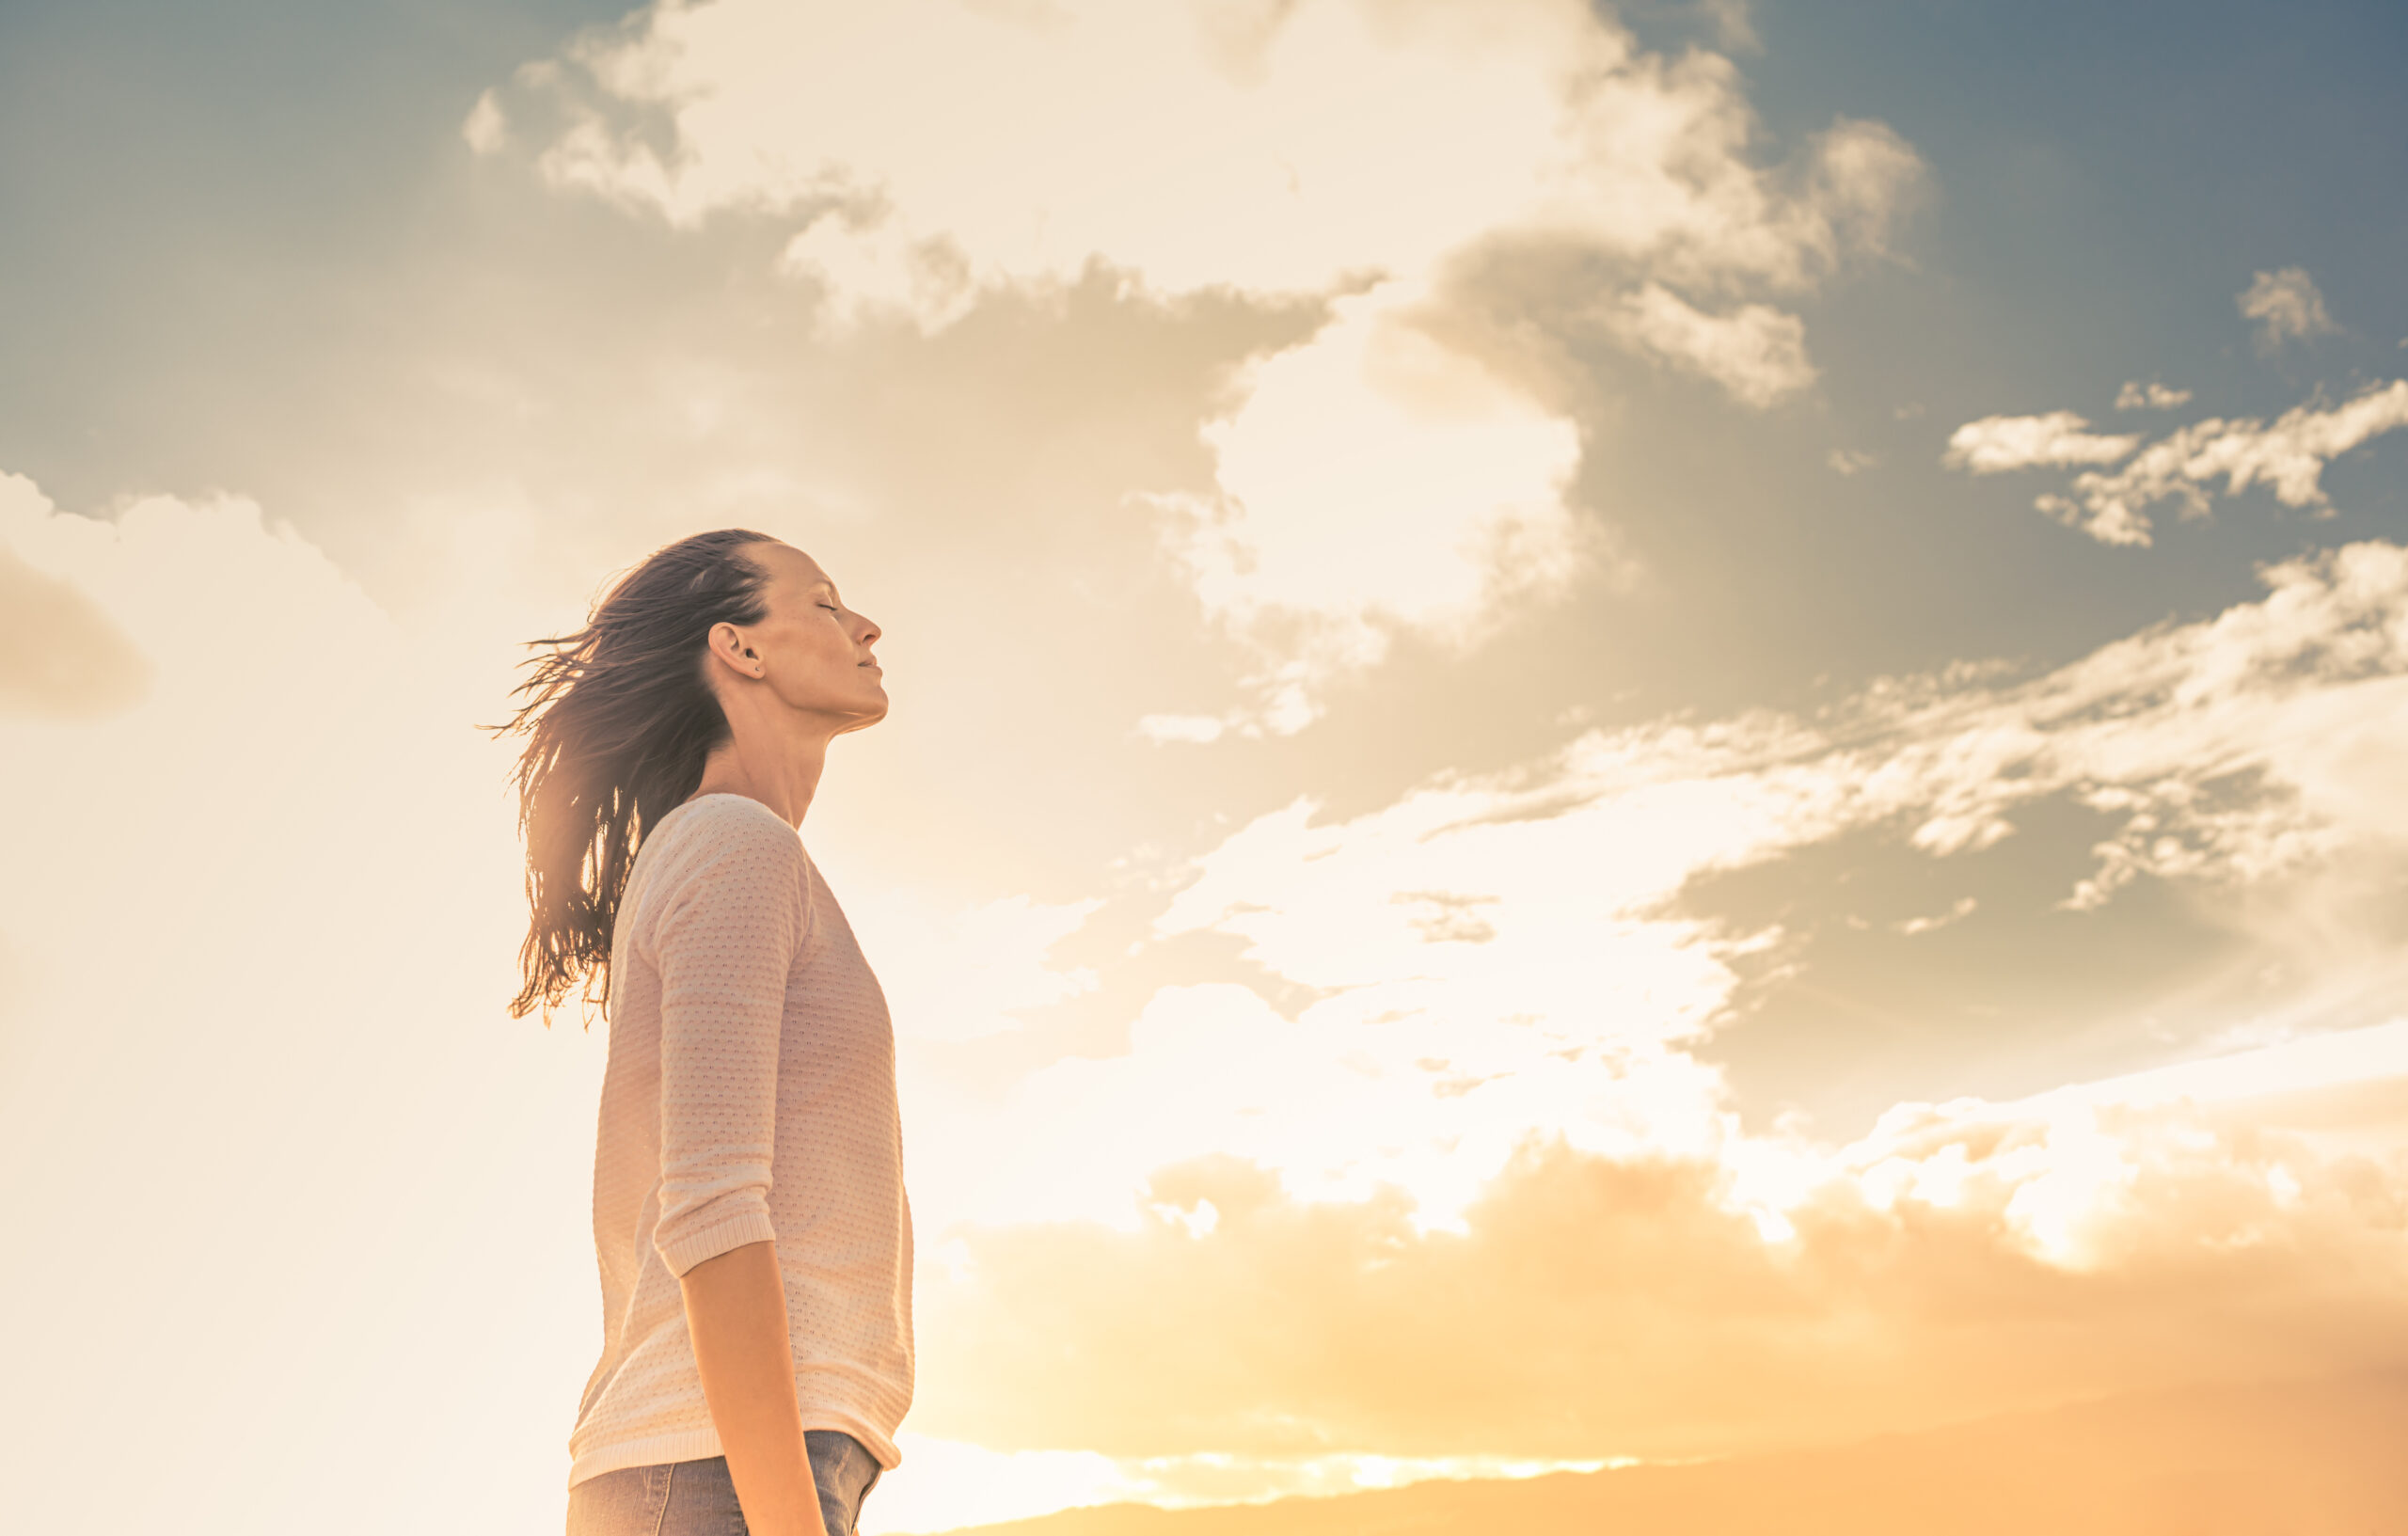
[{"x": 619, "y": 719}]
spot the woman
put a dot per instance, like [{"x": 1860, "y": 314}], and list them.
[{"x": 749, "y": 1213}]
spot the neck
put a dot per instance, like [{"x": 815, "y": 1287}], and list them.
[{"x": 780, "y": 774}]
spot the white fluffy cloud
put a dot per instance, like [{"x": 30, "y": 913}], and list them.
[
  {"x": 1996, "y": 443},
  {"x": 1756, "y": 352},
  {"x": 2287, "y": 457},
  {"x": 1373, "y": 477},
  {"x": 2286, "y": 306},
  {"x": 1275, "y": 148},
  {"x": 2152, "y": 396}
]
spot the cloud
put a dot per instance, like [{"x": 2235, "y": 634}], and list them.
[
  {"x": 1964, "y": 908},
  {"x": 1196, "y": 729},
  {"x": 1270, "y": 148},
  {"x": 1996, "y": 443},
  {"x": 868, "y": 271},
  {"x": 1372, "y": 478},
  {"x": 1735, "y": 25},
  {"x": 1755, "y": 352},
  {"x": 2229, "y": 749},
  {"x": 2286, "y": 307},
  {"x": 1265, "y": 149},
  {"x": 1850, "y": 461},
  {"x": 486, "y": 128},
  {"x": 1525, "y": 929},
  {"x": 2287, "y": 457},
  {"x": 1963, "y": 1258},
  {"x": 2152, "y": 396}
]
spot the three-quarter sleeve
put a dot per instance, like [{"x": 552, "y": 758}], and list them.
[{"x": 727, "y": 937}]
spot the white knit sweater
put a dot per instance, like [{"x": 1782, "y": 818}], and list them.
[{"x": 750, "y": 1095}]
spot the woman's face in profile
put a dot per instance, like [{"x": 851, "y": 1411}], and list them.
[{"x": 815, "y": 650}]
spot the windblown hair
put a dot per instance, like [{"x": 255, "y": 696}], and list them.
[{"x": 619, "y": 719}]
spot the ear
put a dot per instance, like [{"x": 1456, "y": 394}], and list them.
[{"x": 732, "y": 649}]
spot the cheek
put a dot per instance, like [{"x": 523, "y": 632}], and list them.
[{"x": 831, "y": 651}]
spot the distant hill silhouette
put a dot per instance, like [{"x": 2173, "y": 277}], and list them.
[{"x": 2297, "y": 1458}]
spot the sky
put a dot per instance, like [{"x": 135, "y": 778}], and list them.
[{"x": 1619, "y": 734}]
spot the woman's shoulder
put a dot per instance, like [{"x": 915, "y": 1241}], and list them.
[
  {"x": 710, "y": 825},
  {"x": 707, "y": 858},
  {"x": 714, "y": 848}
]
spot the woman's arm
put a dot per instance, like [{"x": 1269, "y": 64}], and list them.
[
  {"x": 724, "y": 935},
  {"x": 736, "y": 1312}
]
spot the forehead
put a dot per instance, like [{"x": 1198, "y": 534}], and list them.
[{"x": 788, "y": 566}]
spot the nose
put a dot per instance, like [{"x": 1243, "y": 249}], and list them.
[{"x": 870, "y": 632}]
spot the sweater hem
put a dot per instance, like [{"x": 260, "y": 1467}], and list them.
[{"x": 701, "y": 1445}]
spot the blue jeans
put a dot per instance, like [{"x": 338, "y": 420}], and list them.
[{"x": 698, "y": 1499}]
